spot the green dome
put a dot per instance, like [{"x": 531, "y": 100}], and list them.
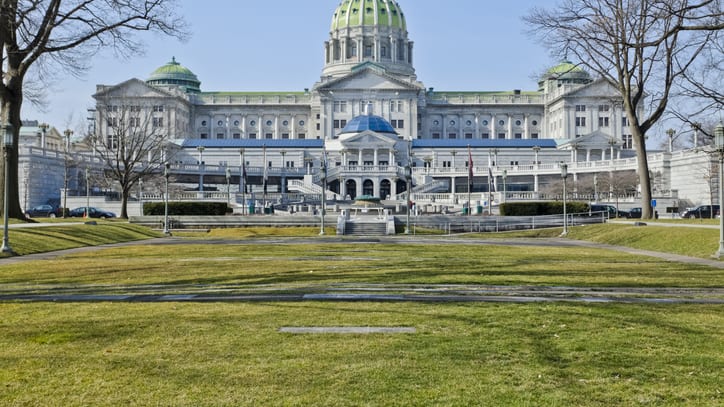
[
  {"x": 567, "y": 71},
  {"x": 358, "y": 13},
  {"x": 174, "y": 74}
]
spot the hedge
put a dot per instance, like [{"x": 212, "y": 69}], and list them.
[
  {"x": 541, "y": 208},
  {"x": 186, "y": 208}
]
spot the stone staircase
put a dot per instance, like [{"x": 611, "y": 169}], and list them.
[{"x": 365, "y": 229}]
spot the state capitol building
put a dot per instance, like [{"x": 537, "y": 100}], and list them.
[{"x": 369, "y": 117}]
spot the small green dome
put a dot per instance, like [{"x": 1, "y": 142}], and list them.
[
  {"x": 174, "y": 74},
  {"x": 567, "y": 71},
  {"x": 358, "y": 13}
]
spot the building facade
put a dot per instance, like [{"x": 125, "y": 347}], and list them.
[{"x": 369, "y": 116}]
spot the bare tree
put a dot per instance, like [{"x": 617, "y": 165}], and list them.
[
  {"x": 38, "y": 34},
  {"x": 643, "y": 47},
  {"x": 133, "y": 145}
]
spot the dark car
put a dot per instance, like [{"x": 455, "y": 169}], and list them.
[
  {"x": 701, "y": 212},
  {"x": 42, "y": 211},
  {"x": 92, "y": 212},
  {"x": 635, "y": 213},
  {"x": 609, "y": 209}
]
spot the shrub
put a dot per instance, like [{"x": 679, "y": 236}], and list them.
[
  {"x": 541, "y": 208},
  {"x": 186, "y": 208}
]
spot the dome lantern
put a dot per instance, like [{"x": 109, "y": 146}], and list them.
[{"x": 174, "y": 74}]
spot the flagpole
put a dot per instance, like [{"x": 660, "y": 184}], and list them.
[
  {"x": 470, "y": 179},
  {"x": 264, "y": 163},
  {"x": 242, "y": 181}
]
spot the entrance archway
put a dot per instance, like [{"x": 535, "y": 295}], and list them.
[
  {"x": 385, "y": 188},
  {"x": 368, "y": 188},
  {"x": 351, "y": 187}
]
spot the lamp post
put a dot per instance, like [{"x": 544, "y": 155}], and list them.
[
  {"x": 87, "y": 193},
  {"x": 408, "y": 180},
  {"x": 228, "y": 186},
  {"x": 505, "y": 185},
  {"x": 719, "y": 139},
  {"x": 242, "y": 181},
  {"x": 324, "y": 193},
  {"x": 200, "y": 149},
  {"x": 564, "y": 175},
  {"x": 284, "y": 165},
  {"x": 595, "y": 187},
  {"x": 43, "y": 127},
  {"x": 8, "y": 144},
  {"x": 68, "y": 133},
  {"x": 166, "y": 175}
]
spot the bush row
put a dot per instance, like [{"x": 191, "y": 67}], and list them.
[
  {"x": 541, "y": 208},
  {"x": 186, "y": 208}
]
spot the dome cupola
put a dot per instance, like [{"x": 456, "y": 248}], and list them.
[
  {"x": 368, "y": 31},
  {"x": 174, "y": 74},
  {"x": 565, "y": 73}
]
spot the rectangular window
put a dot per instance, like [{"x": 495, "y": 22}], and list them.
[
  {"x": 157, "y": 122},
  {"x": 252, "y": 136},
  {"x": 319, "y": 126},
  {"x": 519, "y": 135},
  {"x": 340, "y": 106},
  {"x": 368, "y": 50},
  {"x": 237, "y": 136},
  {"x": 452, "y": 136},
  {"x": 624, "y": 121},
  {"x": 580, "y": 108},
  {"x": 219, "y": 136},
  {"x": 396, "y": 106},
  {"x": 603, "y": 122},
  {"x": 285, "y": 136},
  {"x": 604, "y": 108},
  {"x": 158, "y": 108},
  {"x": 204, "y": 136},
  {"x": 534, "y": 135},
  {"x": 269, "y": 136},
  {"x": 436, "y": 136},
  {"x": 468, "y": 135},
  {"x": 486, "y": 136},
  {"x": 383, "y": 51},
  {"x": 398, "y": 124},
  {"x": 580, "y": 122},
  {"x": 627, "y": 141},
  {"x": 301, "y": 136},
  {"x": 501, "y": 135}
]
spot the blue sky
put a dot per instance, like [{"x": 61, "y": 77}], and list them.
[{"x": 244, "y": 45}]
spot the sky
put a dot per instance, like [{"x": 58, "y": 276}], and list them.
[{"x": 245, "y": 45}]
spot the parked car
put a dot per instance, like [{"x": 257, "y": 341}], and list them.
[
  {"x": 610, "y": 209},
  {"x": 42, "y": 211},
  {"x": 701, "y": 212},
  {"x": 635, "y": 213},
  {"x": 92, "y": 212}
]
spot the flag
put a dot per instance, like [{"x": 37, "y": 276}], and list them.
[
  {"x": 266, "y": 175},
  {"x": 243, "y": 173},
  {"x": 470, "y": 169}
]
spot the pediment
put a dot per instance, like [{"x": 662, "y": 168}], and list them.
[
  {"x": 596, "y": 139},
  {"x": 132, "y": 88},
  {"x": 369, "y": 78},
  {"x": 596, "y": 89},
  {"x": 368, "y": 139}
]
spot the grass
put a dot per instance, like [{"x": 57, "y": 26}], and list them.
[
  {"x": 301, "y": 266},
  {"x": 26, "y": 241},
  {"x": 461, "y": 355},
  {"x": 231, "y": 354}
]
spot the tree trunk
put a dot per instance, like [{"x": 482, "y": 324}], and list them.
[
  {"x": 124, "y": 203},
  {"x": 643, "y": 172},
  {"x": 10, "y": 106}
]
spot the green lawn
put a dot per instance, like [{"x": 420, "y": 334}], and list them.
[{"x": 462, "y": 355}]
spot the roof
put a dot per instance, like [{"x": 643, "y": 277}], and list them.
[
  {"x": 567, "y": 70},
  {"x": 255, "y": 143},
  {"x": 368, "y": 122},
  {"x": 174, "y": 73},
  {"x": 370, "y": 13},
  {"x": 484, "y": 143}
]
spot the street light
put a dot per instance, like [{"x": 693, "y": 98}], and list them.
[
  {"x": 242, "y": 181},
  {"x": 505, "y": 186},
  {"x": 68, "y": 133},
  {"x": 43, "y": 127},
  {"x": 8, "y": 144},
  {"x": 200, "y": 149},
  {"x": 671, "y": 133},
  {"x": 408, "y": 180},
  {"x": 166, "y": 174},
  {"x": 564, "y": 175},
  {"x": 719, "y": 140},
  {"x": 324, "y": 192},
  {"x": 228, "y": 186},
  {"x": 284, "y": 165}
]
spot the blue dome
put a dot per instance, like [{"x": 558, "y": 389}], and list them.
[{"x": 368, "y": 122}]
